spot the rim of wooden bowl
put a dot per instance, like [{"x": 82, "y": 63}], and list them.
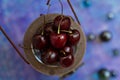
[{"x": 45, "y": 69}]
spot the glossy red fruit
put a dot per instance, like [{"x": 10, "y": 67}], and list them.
[
  {"x": 68, "y": 49},
  {"x": 64, "y": 24},
  {"x": 74, "y": 37},
  {"x": 67, "y": 60},
  {"x": 50, "y": 56},
  {"x": 48, "y": 28},
  {"x": 58, "y": 40},
  {"x": 39, "y": 41}
]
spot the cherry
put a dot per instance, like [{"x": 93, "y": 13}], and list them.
[
  {"x": 74, "y": 37},
  {"x": 68, "y": 49},
  {"x": 64, "y": 22},
  {"x": 54, "y": 36},
  {"x": 58, "y": 40},
  {"x": 66, "y": 60},
  {"x": 48, "y": 28},
  {"x": 39, "y": 41},
  {"x": 50, "y": 56}
]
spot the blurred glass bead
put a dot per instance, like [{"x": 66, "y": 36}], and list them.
[
  {"x": 91, "y": 37},
  {"x": 115, "y": 52},
  {"x": 105, "y": 36},
  {"x": 113, "y": 74},
  {"x": 86, "y": 3},
  {"x": 110, "y": 16},
  {"x": 104, "y": 74}
]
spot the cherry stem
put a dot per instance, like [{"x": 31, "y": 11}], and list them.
[
  {"x": 43, "y": 25},
  {"x": 45, "y": 19},
  {"x": 21, "y": 46},
  {"x": 59, "y": 25},
  {"x": 66, "y": 31},
  {"x": 73, "y": 11},
  {"x": 58, "y": 28},
  {"x": 20, "y": 54},
  {"x": 61, "y": 16},
  {"x": 62, "y": 52}
]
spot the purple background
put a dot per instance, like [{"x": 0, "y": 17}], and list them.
[{"x": 17, "y": 15}]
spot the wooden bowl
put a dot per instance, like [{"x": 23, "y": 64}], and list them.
[{"x": 47, "y": 69}]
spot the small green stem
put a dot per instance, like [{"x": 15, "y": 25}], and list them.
[
  {"x": 42, "y": 33},
  {"x": 61, "y": 16},
  {"x": 59, "y": 28},
  {"x": 45, "y": 19},
  {"x": 66, "y": 31},
  {"x": 62, "y": 52},
  {"x": 59, "y": 25}
]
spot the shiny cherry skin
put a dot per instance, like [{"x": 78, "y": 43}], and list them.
[
  {"x": 68, "y": 50},
  {"x": 64, "y": 24},
  {"x": 74, "y": 37},
  {"x": 58, "y": 40},
  {"x": 66, "y": 60},
  {"x": 50, "y": 56},
  {"x": 39, "y": 41},
  {"x": 48, "y": 28}
]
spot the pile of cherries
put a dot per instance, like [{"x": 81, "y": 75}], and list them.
[{"x": 56, "y": 40}]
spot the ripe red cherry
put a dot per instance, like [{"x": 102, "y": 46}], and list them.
[
  {"x": 74, "y": 37},
  {"x": 68, "y": 49},
  {"x": 66, "y": 60},
  {"x": 50, "y": 56},
  {"x": 64, "y": 24},
  {"x": 39, "y": 41},
  {"x": 58, "y": 40},
  {"x": 48, "y": 28}
]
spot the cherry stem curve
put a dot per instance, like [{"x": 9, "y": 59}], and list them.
[
  {"x": 66, "y": 31},
  {"x": 62, "y": 52},
  {"x": 59, "y": 25},
  {"x": 61, "y": 16}
]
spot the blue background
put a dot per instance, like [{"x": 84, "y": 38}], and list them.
[{"x": 17, "y": 15}]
